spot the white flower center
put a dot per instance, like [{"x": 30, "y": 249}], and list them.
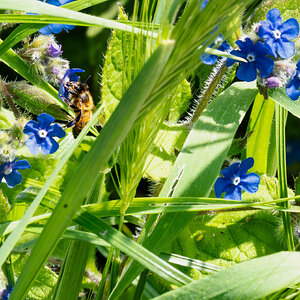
[
  {"x": 236, "y": 180},
  {"x": 42, "y": 133},
  {"x": 250, "y": 57},
  {"x": 277, "y": 34},
  {"x": 218, "y": 41},
  {"x": 7, "y": 170}
]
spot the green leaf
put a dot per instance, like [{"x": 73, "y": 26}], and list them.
[
  {"x": 44, "y": 283},
  {"x": 280, "y": 96},
  {"x": 251, "y": 280},
  {"x": 133, "y": 249},
  {"x": 196, "y": 167},
  {"x": 23, "y": 31},
  {"x": 168, "y": 143},
  {"x": 7, "y": 118},
  {"x": 33, "y": 6},
  {"x": 260, "y": 125}
]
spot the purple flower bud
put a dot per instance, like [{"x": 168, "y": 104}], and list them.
[
  {"x": 272, "y": 82},
  {"x": 54, "y": 50}
]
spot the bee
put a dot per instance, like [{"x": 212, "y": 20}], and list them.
[{"x": 81, "y": 101}]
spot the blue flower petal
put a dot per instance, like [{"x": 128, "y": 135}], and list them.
[
  {"x": 68, "y": 27},
  {"x": 31, "y": 127},
  {"x": 231, "y": 171},
  {"x": 250, "y": 182},
  {"x": 56, "y": 28},
  {"x": 45, "y": 120},
  {"x": 21, "y": 164},
  {"x": 271, "y": 46},
  {"x": 274, "y": 17},
  {"x": 264, "y": 65},
  {"x": 264, "y": 30},
  {"x": 13, "y": 178},
  {"x": 233, "y": 193},
  {"x": 209, "y": 59},
  {"x": 292, "y": 91},
  {"x": 45, "y": 30},
  {"x": 56, "y": 130},
  {"x": 231, "y": 61},
  {"x": 49, "y": 145},
  {"x": 245, "y": 165},
  {"x": 221, "y": 186},
  {"x": 33, "y": 145},
  {"x": 286, "y": 48},
  {"x": 290, "y": 29},
  {"x": 246, "y": 72}
]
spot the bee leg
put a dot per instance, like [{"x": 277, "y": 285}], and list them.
[{"x": 72, "y": 123}]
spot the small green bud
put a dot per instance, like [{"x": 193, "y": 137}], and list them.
[{"x": 33, "y": 99}]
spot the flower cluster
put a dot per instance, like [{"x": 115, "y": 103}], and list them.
[
  {"x": 44, "y": 53},
  {"x": 275, "y": 43},
  {"x": 235, "y": 179},
  {"x": 267, "y": 54}
]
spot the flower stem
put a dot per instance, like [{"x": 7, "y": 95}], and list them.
[{"x": 281, "y": 116}]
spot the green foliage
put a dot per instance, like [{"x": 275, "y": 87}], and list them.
[{"x": 253, "y": 279}]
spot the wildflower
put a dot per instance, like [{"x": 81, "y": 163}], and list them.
[
  {"x": 292, "y": 87},
  {"x": 8, "y": 171},
  {"x": 277, "y": 35},
  {"x": 256, "y": 56},
  {"x": 222, "y": 46},
  {"x": 5, "y": 294},
  {"x": 204, "y": 4},
  {"x": 42, "y": 133},
  {"x": 54, "y": 50},
  {"x": 56, "y": 28},
  {"x": 70, "y": 75},
  {"x": 235, "y": 180}
]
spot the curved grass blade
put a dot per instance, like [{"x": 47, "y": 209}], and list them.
[
  {"x": 133, "y": 249},
  {"x": 41, "y": 8},
  {"x": 113, "y": 133},
  {"x": 250, "y": 280},
  {"x": 23, "y": 30}
]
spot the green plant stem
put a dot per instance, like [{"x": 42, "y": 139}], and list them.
[
  {"x": 281, "y": 116},
  {"x": 8, "y": 270},
  {"x": 100, "y": 292},
  {"x": 141, "y": 285}
]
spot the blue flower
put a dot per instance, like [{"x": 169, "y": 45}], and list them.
[
  {"x": 292, "y": 87},
  {"x": 8, "y": 171},
  {"x": 42, "y": 133},
  {"x": 235, "y": 180},
  {"x": 257, "y": 58},
  {"x": 222, "y": 46},
  {"x": 70, "y": 75},
  {"x": 5, "y": 294},
  {"x": 56, "y": 28},
  {"x": 277, "y": 35},
  {"x": 204, "y": 4}
]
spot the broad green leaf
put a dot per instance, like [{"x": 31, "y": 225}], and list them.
[
  {"x": 196, "y": 168},
  {"x": 259, "y": 125},
  {"x": 168, "y": 143},
  {"x": 7, "y": 119},
  {"x": 44, "y": 283},
  {"x": 254, "y": 279},
  {"x": 4, "y": 208},
  {"x": 280, "y": 96}
]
